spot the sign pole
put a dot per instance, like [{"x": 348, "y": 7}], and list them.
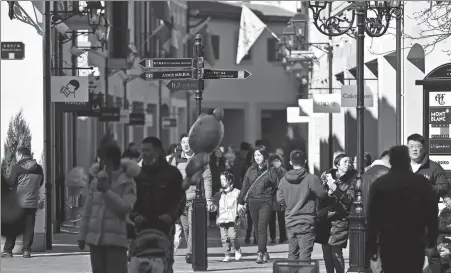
[
  {"x": 199, "y": 207},
  {"x": 48, "y": 128}
]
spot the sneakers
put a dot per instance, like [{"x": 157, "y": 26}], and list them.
[
  {"x": 6, "y": 254},
  {"x": 189, "y": 258},
  {"x": 227, "y": 258},
  {"x": 238, "y": 255},
  {"x": 26, "y": 254},
  {"x": 259, "y": 258},
  {"x": 265, "y": 257}
]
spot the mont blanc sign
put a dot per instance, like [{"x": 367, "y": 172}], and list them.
[{"x": 349, "y": 96}]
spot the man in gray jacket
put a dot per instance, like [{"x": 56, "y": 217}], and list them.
[
  {"x": 180, "y": 161},
  {"x": 26, "y": 179}
]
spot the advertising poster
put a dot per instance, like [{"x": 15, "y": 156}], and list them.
[{"x": 439, "y": 123}]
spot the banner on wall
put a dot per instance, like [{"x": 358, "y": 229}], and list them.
[{"x": 70, "y": 89}]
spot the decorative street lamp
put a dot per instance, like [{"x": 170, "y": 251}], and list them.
[
  {"x": 296, "y": 29},
  {"x": 372, "y": 18},
  {"x": 94, "y": 10}
]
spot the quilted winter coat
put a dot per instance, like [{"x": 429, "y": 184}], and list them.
[
  {"x": 105, "y": 216},
  {"x": 339, "y": 203}
]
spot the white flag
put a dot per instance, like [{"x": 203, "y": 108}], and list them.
[{"x": 250, "y": 29}]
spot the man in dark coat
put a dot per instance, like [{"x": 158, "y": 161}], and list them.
[
  {"x": 402, "y": 216},
  {"x": 434, "y": 173},
  {"x": 25, "y": 180},
  {"x": 379, "y": 168},
  {"x": 160, "y": 197}
]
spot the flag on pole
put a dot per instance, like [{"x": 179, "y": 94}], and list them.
[{"x": 250, "y": 29}]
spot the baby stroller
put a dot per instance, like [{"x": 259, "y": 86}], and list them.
[{"x": 151, "y": 252}]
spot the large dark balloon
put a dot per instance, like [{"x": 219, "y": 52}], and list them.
[{"x": 12, "y": 220}]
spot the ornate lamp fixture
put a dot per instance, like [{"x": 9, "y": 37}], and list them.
[
  {"x": 371, "y": 18},
  {"x": 94, "y": 10}
]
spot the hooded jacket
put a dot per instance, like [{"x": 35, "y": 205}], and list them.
[
  {"x": 26, "y": 179},
  {"x": 436, "y": 176},
  {"x": 104, "y": 221},
  {"x": 298, "y": 191}
]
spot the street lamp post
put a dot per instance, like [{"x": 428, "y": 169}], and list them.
[
  {"x": 376, "y": 26},
  {"x": 199, "y": 216}
]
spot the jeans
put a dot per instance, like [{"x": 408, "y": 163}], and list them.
[
  {"x": 333, "y": 258},
  {"x": 228, "y": 238},
  {"x": 300, "y": 242},
  {"x": 280, "y": 217},
  {"x": 261, "y": 212},
  {"x": 28, "y": 220},
  {"x": 108, "y": 259},
  {"x": 249, "y": 225},
  {"x": 187, "y": 225}
]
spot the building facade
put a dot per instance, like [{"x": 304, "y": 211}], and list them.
[{"x": 380, "y": 77}]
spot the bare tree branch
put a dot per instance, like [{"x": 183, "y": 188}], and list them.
[{"x": 434, "y": 25}]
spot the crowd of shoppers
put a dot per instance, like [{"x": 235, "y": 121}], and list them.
[{"x": 130, "y": 204}]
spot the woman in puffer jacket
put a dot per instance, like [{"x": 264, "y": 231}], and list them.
[
  {"x": 111, "y": 197},
  {"x": 332, "y": 227}
]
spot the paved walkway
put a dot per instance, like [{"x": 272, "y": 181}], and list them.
[{"x": 65, "y": 257}]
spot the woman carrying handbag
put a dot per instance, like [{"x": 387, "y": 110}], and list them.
[{"x": 259, "y": 185}]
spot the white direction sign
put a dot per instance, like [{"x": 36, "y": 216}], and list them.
[
  {"x": 349, "y": 96},
  {"x": 69, "y": 89},
  {"x": 124, "y": 116},
  {"x": 326, "y": 103}
]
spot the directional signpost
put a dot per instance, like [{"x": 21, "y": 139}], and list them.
[
  {"x": 210, "y": 74},
  {"x": 166, "y": 63},
  {"x": 166, "y": 75},
  {"x": 179, "y": 85},
  {"x": 189, "y": 74}
]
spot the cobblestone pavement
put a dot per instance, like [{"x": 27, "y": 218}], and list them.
[{"x": 65, "y": 257}]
